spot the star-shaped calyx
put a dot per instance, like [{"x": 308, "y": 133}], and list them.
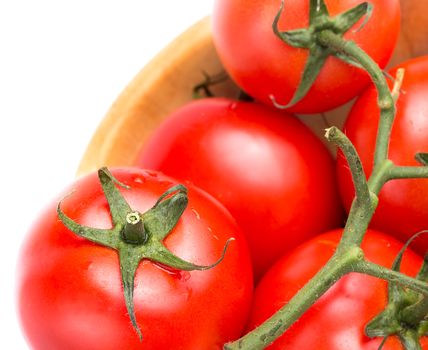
[
  {"x": 308, "y": 38},
  {"x": 137, "y": 236},
  {"x": 406, "y": 314},
  {"x": 422, "y": 158}
]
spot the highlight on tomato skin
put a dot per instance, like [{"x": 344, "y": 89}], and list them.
[
  {"x": 337, "y": 320},
  {"x": 269, "y": 170},
  {"x": 265, "y": 67},
  {"x": 69, "y": 290},
  {"x": 403, "y": 204}
]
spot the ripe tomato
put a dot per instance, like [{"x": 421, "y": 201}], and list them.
[
  {"x": 275, "y": 177},
  {"x": 70, "y": 293},
  {"x": 403, "y": 204},
  {"x": 263, "y": 66},
  {"x": 337, "y": 320}
]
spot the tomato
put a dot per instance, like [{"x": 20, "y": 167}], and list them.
[
  {"x": 268, "y": 169},
  {"x": 70, "y": 294},
  {"x": 403, "y": 204},
  {"x": 264, "y": 66},
  {"x": 337, "y": 320}
]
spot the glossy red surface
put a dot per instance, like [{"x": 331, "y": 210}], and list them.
[{"x": 70, "y": 293}]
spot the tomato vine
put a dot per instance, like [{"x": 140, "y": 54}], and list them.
[{"x": 348, "y": 257}]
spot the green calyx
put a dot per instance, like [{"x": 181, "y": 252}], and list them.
[
  {"x": 406, "y": 312},
  {"x": 208, "y": 82},
  {"x": 137, "y": 236},
  {"x": 422, "y": 158},
  {"x": 308, "y": 38},
  {"x": 204, "y": 88}
]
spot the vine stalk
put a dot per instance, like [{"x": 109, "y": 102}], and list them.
[{"x": 349, "y": 257}]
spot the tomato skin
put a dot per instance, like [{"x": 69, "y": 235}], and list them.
[
  {"x": 262, "y": 65},
  {"x": 274, "y": 176},
  {"x": 337, "y": 320},
  {"x": 70, "y": 294},
  {"x": 403, "y": 204}
]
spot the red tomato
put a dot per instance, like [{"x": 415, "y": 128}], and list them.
[
  {"x": 337, "y": 320},
  {"x": 403, "y": 204},
  {"x": 275, "y": 177},
  {"x": 70, "y": 294},
  {"x": 262, "y": 65}
]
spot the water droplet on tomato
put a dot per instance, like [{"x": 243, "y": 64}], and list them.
[
  {"x": 140, "y": 180},
  {"x": 170, "y": 270},
  {"x": 196, "y": 214},
  {"x": 181, "y": 275}
]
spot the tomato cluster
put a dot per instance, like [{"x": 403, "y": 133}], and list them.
[{"x": 249, "y": 171}]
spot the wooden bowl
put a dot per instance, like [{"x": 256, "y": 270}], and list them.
[{"x": 167, "y": 82}]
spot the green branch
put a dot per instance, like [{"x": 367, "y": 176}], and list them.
[
  {"x": 336, "y": 136},
  {"x": 364, "y": 203},
  {"x": 323, "y": 38},
  {"x": 387, "y": 171},
  {"x": 385, "y": 100},
  {"x": 408, "y": 172},
  {"x": 277, "y": 324},
  {"x": 372, "y": 269}
]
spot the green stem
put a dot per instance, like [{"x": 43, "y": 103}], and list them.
[
  {"x": 348, "y": 256},
  {"x": 336, "y": 136},
  {"x": 351, "y": 260},
  {"x": 410, "y": 340},
  {"x": 356, "y": 226},
  {"x": 207, "y": 83},
  {"x": 364, "y": 204},
  {"x": 387, "y": 171},
  {"x": 372, "y": 269},
  {"x": 408, "y": 172},
  {"x": 381, "y": 176},
  {"x": 266, "y": 333},
  {"x": 414, "y": 314},
  {"x": 417, "y": 312},
  {"x": 386, "y": 104},
  {"x": 423, "y": 272},
  {"x": 134, "y": 231}
]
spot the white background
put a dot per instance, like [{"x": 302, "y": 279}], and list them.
[{"x": 62, "y": 64}]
